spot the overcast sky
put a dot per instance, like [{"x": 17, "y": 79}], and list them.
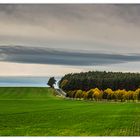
[{"x": 106, "y": 31}]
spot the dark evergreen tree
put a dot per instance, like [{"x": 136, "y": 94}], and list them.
[{"x": 51, "y": 82}]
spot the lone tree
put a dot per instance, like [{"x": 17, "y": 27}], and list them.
[{"x": 51, "y": 82}]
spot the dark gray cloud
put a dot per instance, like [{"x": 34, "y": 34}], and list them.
[{"x": 35, "y": 55}]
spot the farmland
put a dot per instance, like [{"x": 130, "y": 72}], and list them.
[{"x": 37, "y": 112}]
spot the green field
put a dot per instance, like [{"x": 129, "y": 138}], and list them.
[{"x": 37, "y": 112}]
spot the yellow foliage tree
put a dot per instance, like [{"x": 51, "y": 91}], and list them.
[
  {"x": 130, "y": 95},
  {"x": 126, "y": 95},
  {"x": 97, "y": 94},
  {"x": 137, "y": 92},
  {"x": 108, "y": 93},
  {"x": 120, "y": 94},
  {"x": 85, "y": 95},
  {"x": 78, "y": 94},
  {"x": 90, "y": 94}
]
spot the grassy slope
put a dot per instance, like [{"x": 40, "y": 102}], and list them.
[{"x": 35, "y": 111}]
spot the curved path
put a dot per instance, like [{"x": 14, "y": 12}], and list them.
[{"x": 59, "y": 91}]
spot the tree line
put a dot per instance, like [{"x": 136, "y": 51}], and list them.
[
  {"x": 102, "y": 80},
  {"x": 107, "y": 94}
]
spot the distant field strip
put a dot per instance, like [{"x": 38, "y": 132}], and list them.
[{"x": 37, "y": 112}]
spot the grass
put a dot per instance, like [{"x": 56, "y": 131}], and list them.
[{"x": 37, "y": 112}]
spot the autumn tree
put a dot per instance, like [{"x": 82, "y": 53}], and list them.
[
  {"x": 130, "y": 95},
  {"x": 97, "y": 94},
  {"x": 138, "y": 94},
  {"x": 78, "y": 94},
  {"x": 126, "y": 96},
  {"x": 108, "y": 92},
  {"x": 85, "y": 95},
  {"x": 120, "y": 94},
  {"x": 90, "y": 94}
]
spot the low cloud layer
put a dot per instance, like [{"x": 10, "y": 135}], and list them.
[{"x": 35, "y": 55}]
